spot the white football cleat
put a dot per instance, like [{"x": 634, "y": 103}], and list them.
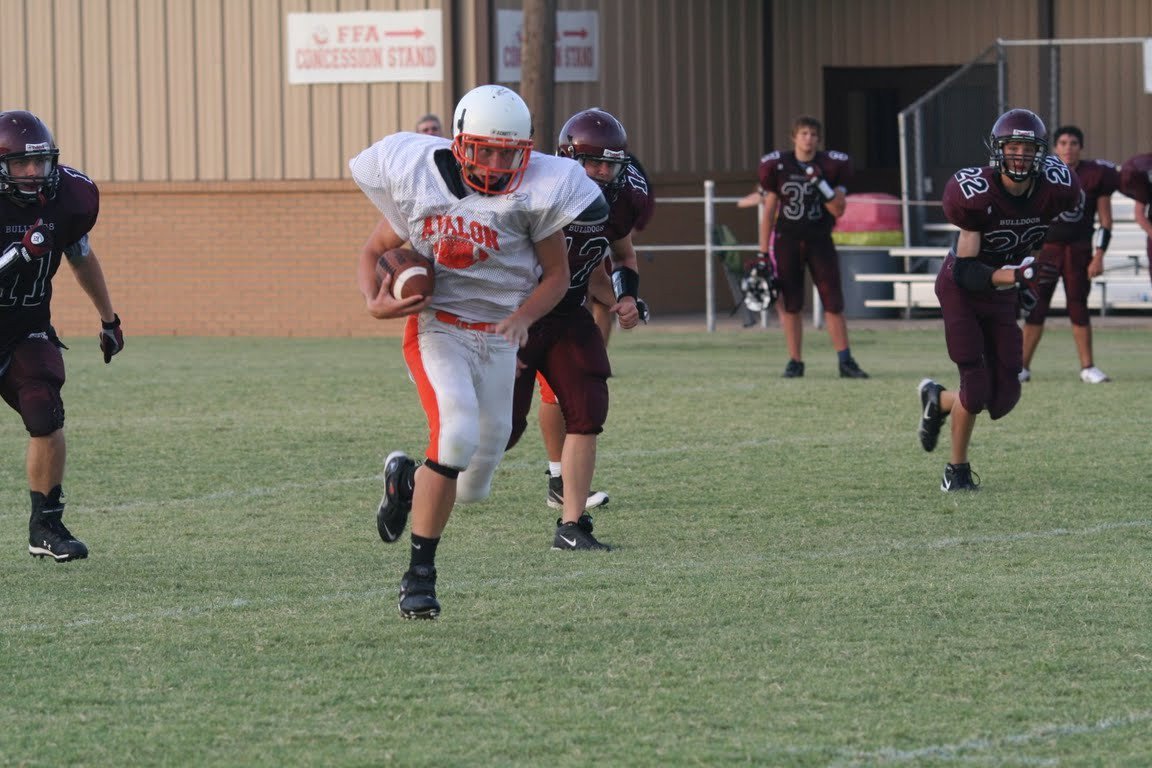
[{"x": 1093, "y": 375}]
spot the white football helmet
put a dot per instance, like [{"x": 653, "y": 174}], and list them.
[{"x": 492, "y": 139}]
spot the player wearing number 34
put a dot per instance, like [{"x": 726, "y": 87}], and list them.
[
  {"x": 1003, "y": 211},
  {"x": 47, "y": 210}
]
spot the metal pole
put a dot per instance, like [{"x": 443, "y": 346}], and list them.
[
  {"x": 709, "y": 277},
  {"x": 1001, "y": 80},
  {"x": 900, "y": 121}
]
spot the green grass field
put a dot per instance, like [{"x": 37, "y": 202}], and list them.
[{"x": 789, "y": 586}]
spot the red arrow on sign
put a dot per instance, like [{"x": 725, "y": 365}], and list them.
[
  {"x": 417, "y": 33},
  {"x": 575, "y": 33}
]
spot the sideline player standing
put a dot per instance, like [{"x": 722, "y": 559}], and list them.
[
  {"x": 47, "y": 211},
  {"x": 804, "y": 193},
  {"x": 566, "y": 347},
  {"x": 491, "y": 214},
  {"x": 1077, "y": 252},
  {"x": 1136, "y": 183},
  {"x": 1003, "y": 211}
]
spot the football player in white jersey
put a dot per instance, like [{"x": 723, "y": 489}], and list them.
[{"x": 491, "y": 214}]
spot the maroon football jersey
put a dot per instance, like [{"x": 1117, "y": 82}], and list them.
[
  {"x": 26, "y": 292},
  {"x": 1098, "y": 178},
  {"x": 801, "y": 210},
  {"x": 631, "y": 206},
  {"x": 1136, "y": 178},
  {"x": 1011, "y": 227}
]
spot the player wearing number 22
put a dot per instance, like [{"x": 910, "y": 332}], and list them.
[
  {"x": 1003, "y": 211},
  {"x": 47, "y": 210},
  {"x": 491, "y": 214}
]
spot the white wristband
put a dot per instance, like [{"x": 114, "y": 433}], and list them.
[{"x": 826, "y": 190}]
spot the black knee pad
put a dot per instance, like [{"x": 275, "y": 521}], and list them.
[
  {"x": 442, "y": 470},
  {"x": 1004, "y": 399},
  {"x": 41, "y": 409},
  {"x": 975, "y": 387}
]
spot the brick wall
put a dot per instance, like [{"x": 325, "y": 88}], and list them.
[
  {"x": 256, "y": 259},
  {"x": 279, "y": 259}
]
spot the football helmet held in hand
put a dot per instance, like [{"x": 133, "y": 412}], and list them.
[{"x": 760, "y": 286}]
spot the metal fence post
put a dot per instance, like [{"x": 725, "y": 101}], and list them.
[{"x": 709, "y": 276}]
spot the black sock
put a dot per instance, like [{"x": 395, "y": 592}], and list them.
[{"x": 423, "y": 551}]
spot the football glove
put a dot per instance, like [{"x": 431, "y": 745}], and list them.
[
  {"x": 1030, "y": 272},
  {"x": 36, "y": 243},
  {"x": 642, "y": 308},
  {"x": 111, "y": 338},
  {"x": 816, "y": 179}
]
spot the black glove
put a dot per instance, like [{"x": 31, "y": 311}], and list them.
[
  {"x": 642, "y": 308},
  {"x": 111, "y": 338},
  {"x": 37, "y": 240},
  {"x": 36, "y": 243}
]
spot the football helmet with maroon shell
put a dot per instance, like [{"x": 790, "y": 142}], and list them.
[
  {"x": 1018, "y": 125},
  {"x": 29, "y": 172},
  {"x": 593, "y": 134},
  {"x": 492, "y": 124}
]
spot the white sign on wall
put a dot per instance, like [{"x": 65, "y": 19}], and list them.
[
  {"x": 1148, "y": 65},
  {"x": 577, "y": 46},
  {"x": 365, "y": 47}
]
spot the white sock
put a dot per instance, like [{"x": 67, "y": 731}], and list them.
[{"x": 554, "y": 468}]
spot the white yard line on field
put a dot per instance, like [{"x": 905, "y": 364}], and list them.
[{"x": 963, "y": 751}]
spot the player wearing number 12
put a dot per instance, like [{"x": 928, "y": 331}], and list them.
[{"x": 1003, "y": 211}]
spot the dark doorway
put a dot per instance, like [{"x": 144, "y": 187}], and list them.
[{"x": 861, "y": 105}]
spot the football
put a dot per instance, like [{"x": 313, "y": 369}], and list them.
[{"x": 413, "y": 274}]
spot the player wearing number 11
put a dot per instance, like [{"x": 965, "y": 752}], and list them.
[{"x": 47, "y": 210}]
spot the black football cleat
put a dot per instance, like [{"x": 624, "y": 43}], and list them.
[
  {"x": 573, "y": 536},
  {"x": 794, "y": 370},
  {"x": 556, "y": 495},
  {"x": 392, "y": 514},
  {"x": 850, "y": 370},
  {"x": 49, "y": 537},
  {"x": 418, "y": 593},
  {"x": 959, "y": 477},
  {"x": 584, "y": 523},
  {"x": 931, "y": 417}
]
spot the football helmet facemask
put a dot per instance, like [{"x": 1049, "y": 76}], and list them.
[
  {"x": 594, "y": 134},
  {"x": 492, "y": 139},
  {"x": 760, "y": 286},
  {"x": 1018, "y": 125},
  {"x": 29, "y": 172}
]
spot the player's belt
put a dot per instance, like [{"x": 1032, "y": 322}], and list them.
[{"x": 459, "y": 322}]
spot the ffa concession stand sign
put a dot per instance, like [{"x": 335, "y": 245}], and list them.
[
  {"x": 577, "y": 46},
  {"x": 366, "y": 47}
]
